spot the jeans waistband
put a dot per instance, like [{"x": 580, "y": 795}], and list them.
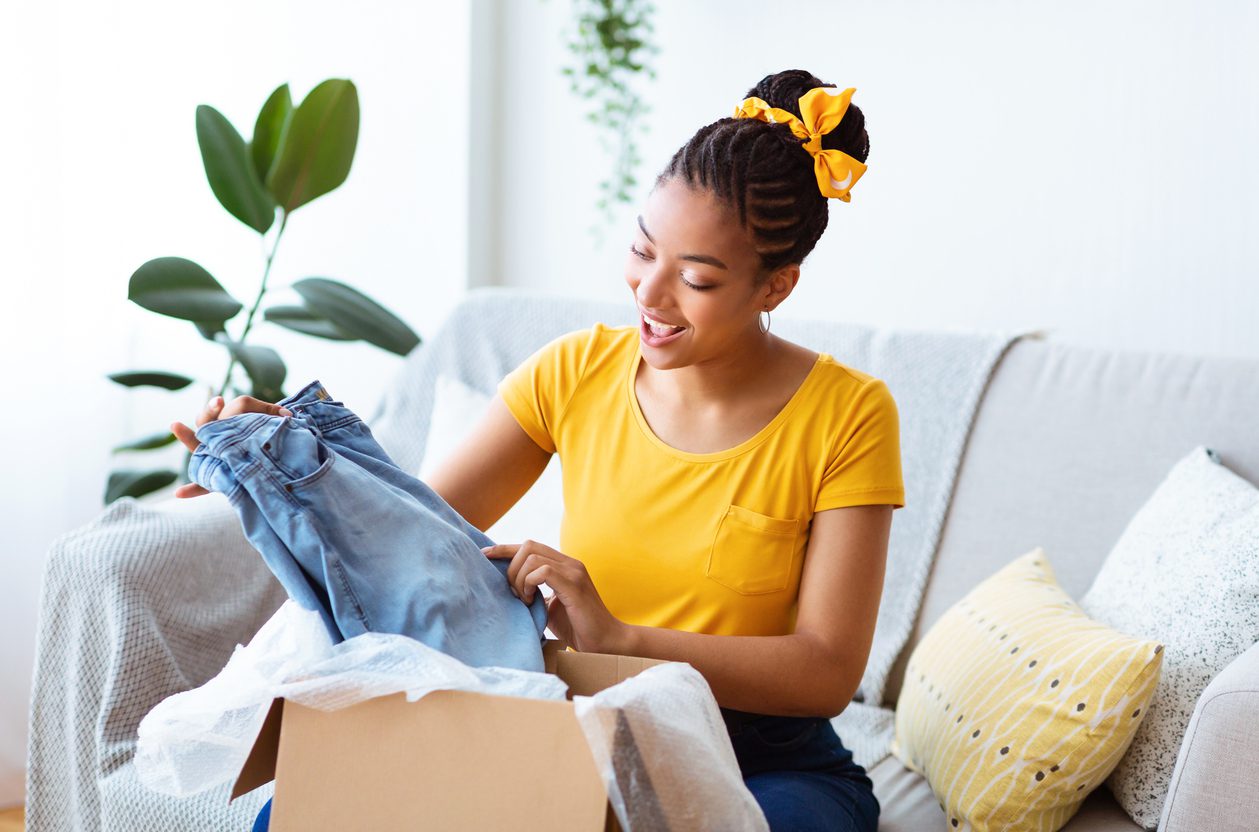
[
  {"x": 736, "y": 720},
  {"x": 317, "y": 408}
]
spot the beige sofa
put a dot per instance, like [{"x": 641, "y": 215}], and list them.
[
  {"x": 1067, "y": 444},
  {"x": 152, "y": 596}
]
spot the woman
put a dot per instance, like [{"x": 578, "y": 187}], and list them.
[{"x": 728, "y": 494}]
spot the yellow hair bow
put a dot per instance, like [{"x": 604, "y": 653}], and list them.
[{"x": 822, "y": 108}]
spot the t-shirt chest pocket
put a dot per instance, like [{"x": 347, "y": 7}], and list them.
[{"x": 752, "y": 552}]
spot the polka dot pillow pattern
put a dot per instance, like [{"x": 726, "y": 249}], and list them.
[
  {"x": 1016, "y": 704},
  {"x": 1185, "y": 572}
]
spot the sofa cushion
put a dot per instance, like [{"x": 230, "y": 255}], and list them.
[
  {"x": 1016, "y": 704},
  {"x": 907, "y": 804},
  {"x": 1185, "y": 572}
]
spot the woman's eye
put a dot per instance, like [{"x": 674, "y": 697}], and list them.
[{"x": 641, "y": 256}]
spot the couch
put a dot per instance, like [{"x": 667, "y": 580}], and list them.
[{"x": 1066, "y": 444}]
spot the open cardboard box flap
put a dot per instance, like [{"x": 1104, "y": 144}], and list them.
[{"x": 452, "y": 760}]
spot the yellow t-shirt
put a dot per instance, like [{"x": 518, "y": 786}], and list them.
[{"x": 703, "y": 542}]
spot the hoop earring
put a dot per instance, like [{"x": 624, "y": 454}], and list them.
[{"x": 764, "y": 329}]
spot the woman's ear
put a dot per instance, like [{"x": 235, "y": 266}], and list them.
[{"x": 780, "y": 285}]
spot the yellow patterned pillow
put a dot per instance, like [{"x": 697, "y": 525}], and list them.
[{"x": 1016, "y": 704}]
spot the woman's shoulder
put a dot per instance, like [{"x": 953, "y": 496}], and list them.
[
  {"x": 841, "y": 383},
  {"x": 841, "y": 372},
  {"x": 569, "y": 358}
]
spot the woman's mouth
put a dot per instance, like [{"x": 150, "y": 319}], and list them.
[{"x": 657, "y": 333}]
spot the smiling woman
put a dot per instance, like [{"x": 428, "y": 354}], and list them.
[{"x": 727, "y": 494}]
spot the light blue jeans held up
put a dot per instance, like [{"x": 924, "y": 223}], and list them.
[{"x": 355, "y": 538}]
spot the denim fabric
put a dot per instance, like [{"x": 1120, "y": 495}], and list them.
[
  {"x": 353, "y": 537},
  {"x": 802, "y": 776},
  {"x": 262, "y": 822}
]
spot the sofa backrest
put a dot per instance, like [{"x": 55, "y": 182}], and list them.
[{"x": 1068, "y": 443}]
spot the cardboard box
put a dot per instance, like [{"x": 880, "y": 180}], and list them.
[{"x": 454, "y": 760}]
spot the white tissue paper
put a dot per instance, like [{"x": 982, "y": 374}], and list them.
[
  {"x": 658, "y": 737},
  {"x": 665, "y": 754},
  {"x": 198, "y": 739}
]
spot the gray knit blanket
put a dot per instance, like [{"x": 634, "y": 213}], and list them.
[{"x": 152, "y": 596}]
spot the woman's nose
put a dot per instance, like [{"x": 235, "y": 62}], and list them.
[{"x": 652, "y": 289}]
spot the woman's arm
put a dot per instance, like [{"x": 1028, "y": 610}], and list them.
[
  {"x": 813, "y": 672},
  {"x": 492, "y": 469}
]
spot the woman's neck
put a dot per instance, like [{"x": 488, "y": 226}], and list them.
[{"x": 717, "y": 381}]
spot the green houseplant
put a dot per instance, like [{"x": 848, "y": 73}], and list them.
[
  {"x": 610, "y": 48},
  {"x": 296, "y": 154}
]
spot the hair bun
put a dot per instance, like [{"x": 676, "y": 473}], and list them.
[{"x": 784, "y": 89}]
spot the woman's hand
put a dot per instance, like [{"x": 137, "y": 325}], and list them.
[
  {"x": 215, "y": 409},
  {"x": 575, "y": 613}
]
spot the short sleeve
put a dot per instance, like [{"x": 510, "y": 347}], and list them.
[
  {"x": 538, "y": 391},
  {"x": 864, "y": 467}
]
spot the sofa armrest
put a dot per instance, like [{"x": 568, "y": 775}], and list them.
[
  {"x": 148, "y": 599},
  {"x": 1214, "y": 785}
]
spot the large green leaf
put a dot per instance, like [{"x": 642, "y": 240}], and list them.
[
  {"x": 268, "y": 129},
  {"x": 180, "y": 288},
  {"x": 231, "y": 172},
  {"x": 356, "y": 313},
  {"x": 264, "y": 367},
  {"x": 317, "y": 145},
  {"x": 300, "y": 319},
  {"x": 130, "y": 483},
  {"x": 148, "y": 443},
  {"x": 210, "y": 329},
  {"x": 151, "y": 378}
]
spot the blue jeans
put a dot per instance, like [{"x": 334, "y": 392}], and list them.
[
  {"x": 355, "y": 538},
  {"x": 801, "y": 775}
]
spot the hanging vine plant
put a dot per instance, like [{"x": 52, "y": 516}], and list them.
[{"x": 611, "y": 46}]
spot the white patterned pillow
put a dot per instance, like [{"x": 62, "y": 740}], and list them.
[{"x": 1185, "y": 572}]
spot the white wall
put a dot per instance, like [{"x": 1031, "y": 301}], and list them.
[
  {"x": 101, "y": 139},
  {"x": 1089, "y": 168}
]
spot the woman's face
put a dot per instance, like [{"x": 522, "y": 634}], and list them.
[{"x": 692, "y": 266}]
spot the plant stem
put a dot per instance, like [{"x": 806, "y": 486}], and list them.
[
  {"x": 262, "y": 290},
  {"x": 249, "y": 321}
]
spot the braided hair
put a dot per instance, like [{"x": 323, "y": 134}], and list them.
[{"x": 761, "y": 171}]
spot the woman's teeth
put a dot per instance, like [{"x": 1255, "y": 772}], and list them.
[{"x": 661, "y": 329}]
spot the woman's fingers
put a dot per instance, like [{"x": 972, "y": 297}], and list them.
[
  {"x": 528, "y": 549},
  {"x": 190, "y": 489},
  {"x": 526, "y": 579},
  {"x": 535, "y": 576},
  {"x": 215, "y": 409},
  {"x": 525, "y": 557},
  {"x": 249, "y": 404},
  {"x": 185, "y": 434},
  {"x": 211, "y": 411}
]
